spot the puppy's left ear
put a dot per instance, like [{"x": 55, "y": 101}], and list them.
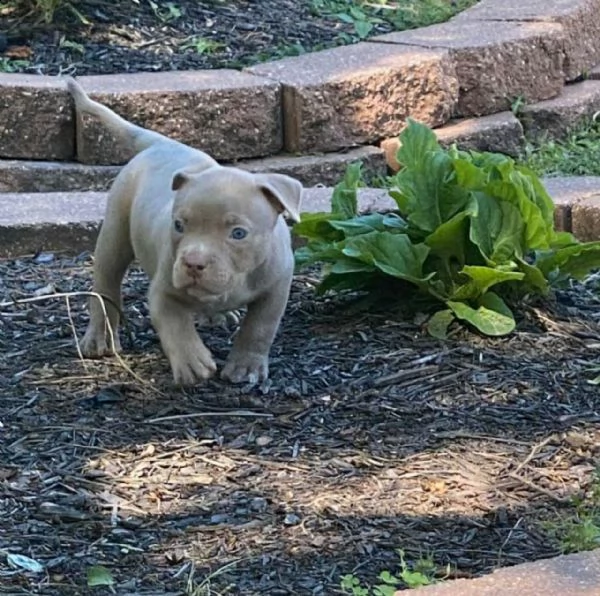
[{"x": 283, "y": 192}]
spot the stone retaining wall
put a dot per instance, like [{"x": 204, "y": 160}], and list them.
[{"x": 460, "y": 77}]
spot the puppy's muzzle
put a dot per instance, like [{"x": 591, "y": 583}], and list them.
[{"x": 195, "y": 263}]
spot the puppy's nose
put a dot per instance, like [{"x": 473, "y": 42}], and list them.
[{"x": 195, "y": 261}]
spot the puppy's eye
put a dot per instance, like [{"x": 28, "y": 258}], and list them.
[
  {"x": 178, "y": 226},
  {"x": 239, "y": 233}
]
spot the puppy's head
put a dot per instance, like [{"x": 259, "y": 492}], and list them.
[{"x": 222, "y": 224}]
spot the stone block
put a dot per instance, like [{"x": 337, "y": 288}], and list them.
[
  {"x": 580, "y": 20},
  {"x": 568, "y": 575},
  {"x": 49, "y": 176},
  {"x": 554, "y": 118},
  {"x": 496, "y": 62},
  {"x": 501, "y": 133},
  {"x": 356, "y": 94},
  {"x": 33, "y": 222},
  {"x": 585, "y": 218},
  {"x": 568, "y": 191},
  {"x": 326, "y": 169},
  {"x": 228, "y": 114},
  {"x": 36, "y": 118}
]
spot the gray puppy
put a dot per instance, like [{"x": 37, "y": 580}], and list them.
[{"x": 212, "y": 239}]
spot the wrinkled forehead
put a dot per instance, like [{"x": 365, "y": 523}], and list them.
[{"x": 223, "y": 198}]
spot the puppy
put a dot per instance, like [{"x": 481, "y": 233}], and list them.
[{"x": 212, "y": 239}]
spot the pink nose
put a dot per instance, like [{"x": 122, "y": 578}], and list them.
[{"x": 195, "y": 261}]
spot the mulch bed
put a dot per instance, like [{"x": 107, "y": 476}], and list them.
[
  {"x": 370, "y": 437},
  {"x": 145, "y": 35}
]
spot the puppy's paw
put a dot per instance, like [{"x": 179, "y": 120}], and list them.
[
  {"x": 192, "y": 366},
  {"x": 96, "y": 344},
  {"x": 246, "y": 367}
]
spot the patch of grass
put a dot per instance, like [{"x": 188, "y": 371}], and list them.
[
  {"x": 579, "y": 530},
  {"x": 419, "y": 573},
  {"x": 577, "y": 155},
  {"x": 409, "y": 14}
]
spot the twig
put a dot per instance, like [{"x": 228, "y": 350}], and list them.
[
  {"x": 102, "y": 299},
  {"x": 534, "y": 451},
  {"x": 539, "y": 489},
  {"x": 243, "y": 413}
]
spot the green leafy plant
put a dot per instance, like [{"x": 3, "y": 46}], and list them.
[
  {"x": 46, "y": 9},
  {"x": 166, "y": 12},
  {"x": 202, "y": 45},
  {"x": 421, "y": 573},
  {"x": 8, "y": 65},
  {"x": 471, "y": 231}
]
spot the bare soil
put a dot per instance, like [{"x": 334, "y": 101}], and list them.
[{"x": 370, "y": 437}]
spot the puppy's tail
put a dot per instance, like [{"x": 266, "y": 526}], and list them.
[{"x": 135, "y": 136}]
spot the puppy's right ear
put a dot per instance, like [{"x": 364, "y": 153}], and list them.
[{"x": 179, "y": 179}]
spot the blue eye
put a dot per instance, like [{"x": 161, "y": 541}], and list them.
[
  {"x": 178, "y": 225},
  {"x": 239, "y": 233}
]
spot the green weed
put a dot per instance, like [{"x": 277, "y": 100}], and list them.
[
  {"x": 202, "y": 45},
  {"x": 8, "y": 65},
  {"x": 577, "y": 155},
  {"x": 580, "y": 529},
  {"x": 166, "y": 12},
  {"x": 421, "y": 572}
]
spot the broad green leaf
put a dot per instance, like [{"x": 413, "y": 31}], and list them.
[
  {"x": 429, "y": 192},
  {"x": 536, "y": 191},
  {"x": 416, "y": 141},
  {"x": 99, "y": 576},
  {"x": 492, "y": 301},
  {"x": 393, "y": 254},
  {"x": 368, "y": 223},
  {"x": 316, "y": 251},
  {"x": 437, "y": 325},
  {"x": 497, "y": 228},
  {"x": 576, "y": 261},
  {"x": 448, "y": 241},
  {"x": 344, "y": 200},
  {"x": 490, "y": 317},
  {"x": 537, "y": 233},
  {"x": 468, "y": 175},
  {"x": 24, "y": 563},
  {"x": 317, "y": 226},
  {"x": 533, "y": 277},
  {"x": 347, "y": 265},
  {"x": 481, "y": 279}
]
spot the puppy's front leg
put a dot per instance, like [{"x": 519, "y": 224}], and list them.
[
  {"x": 190, "y": 359},
  {"x": 248, "y": 360}
]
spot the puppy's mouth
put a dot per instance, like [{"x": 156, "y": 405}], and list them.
[{"x": 207, "y": 283}]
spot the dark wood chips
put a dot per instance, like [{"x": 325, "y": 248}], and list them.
[{"x": 371, "y": 436}]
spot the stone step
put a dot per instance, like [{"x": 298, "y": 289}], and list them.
[
  {"x": 568, "y": 575},
  {"x": 69, "y": 221},
  {"x": 475, "y": 64},
  {"x": 312, "y": 170}
]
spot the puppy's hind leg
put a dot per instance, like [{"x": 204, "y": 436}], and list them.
[{"x": 112, "y": 256}]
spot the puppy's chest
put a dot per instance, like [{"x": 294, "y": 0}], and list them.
[{"x": 206, "y": 305}]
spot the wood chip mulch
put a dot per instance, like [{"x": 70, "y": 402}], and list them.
[{"x": 370, "y": 437}]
